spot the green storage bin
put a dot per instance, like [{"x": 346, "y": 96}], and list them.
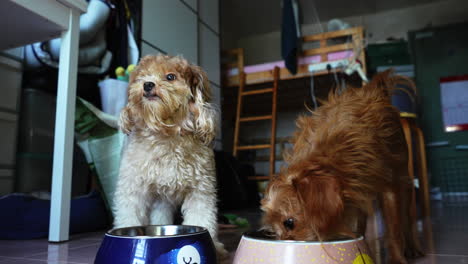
[
  {"x": 388, "y": 49},
  {"x": 388, "y": 54}
]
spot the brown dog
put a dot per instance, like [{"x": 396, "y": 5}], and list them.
[{"x": 350, "y": 152}]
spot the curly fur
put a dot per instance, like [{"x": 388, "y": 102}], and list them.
[
  {"x": 168, "y": 161},
  {"x": 348, "y": 153}
]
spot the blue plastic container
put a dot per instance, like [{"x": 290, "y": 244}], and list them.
[{"x": 178, "y": 244}]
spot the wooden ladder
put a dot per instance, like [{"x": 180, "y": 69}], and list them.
[{"x": 272, "y": 117}]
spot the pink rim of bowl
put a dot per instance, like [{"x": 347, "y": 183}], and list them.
[{"x": 253, "y": 249}]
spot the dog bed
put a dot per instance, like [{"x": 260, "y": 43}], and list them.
[{"x": 27, "y": 217}]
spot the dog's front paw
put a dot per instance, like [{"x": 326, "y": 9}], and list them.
[
  {"x": 414, "y": 252},
  {"x": 398, "y": 260},
  {"x": 222, "y": 254}
]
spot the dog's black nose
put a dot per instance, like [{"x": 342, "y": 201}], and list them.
[{"x": 148, "y": 86}]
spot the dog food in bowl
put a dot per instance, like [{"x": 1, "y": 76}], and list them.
[
  {"x": 177, "y": 244},
  {"x": 257, "y": 247}
]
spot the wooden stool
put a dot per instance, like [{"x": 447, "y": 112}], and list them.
[{"x": 408, "y": 122}]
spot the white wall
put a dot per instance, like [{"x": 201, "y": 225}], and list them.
[
  {"x": 378, "y": 26},
  {"x": 189, "y": 28}
]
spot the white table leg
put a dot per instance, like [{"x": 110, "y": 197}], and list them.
[{"x": 64, "y": 132}]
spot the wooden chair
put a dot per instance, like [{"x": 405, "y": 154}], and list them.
[
  {"x": 416, "y": 147},
  {"x": 410, "y": 128}
]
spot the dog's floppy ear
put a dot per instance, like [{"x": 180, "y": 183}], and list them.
[
  {"x": 204, "y": 113},
  {"x": 125, "y": 121},
  {"x": 321, "y": 200}
]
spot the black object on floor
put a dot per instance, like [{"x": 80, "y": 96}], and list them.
[{"x": 235, "y": 191}]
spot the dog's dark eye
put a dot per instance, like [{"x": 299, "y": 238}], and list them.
[
  {"x": 170, "y": 77},
  {"x": 289, "y": 224}
]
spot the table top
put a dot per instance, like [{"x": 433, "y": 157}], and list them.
[{"x": 24, "y": 21}]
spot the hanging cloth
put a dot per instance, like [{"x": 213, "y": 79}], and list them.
[{"x": 289, "y": 36}]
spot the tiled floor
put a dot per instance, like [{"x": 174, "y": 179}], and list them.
[{"x": 449, "y": 243}]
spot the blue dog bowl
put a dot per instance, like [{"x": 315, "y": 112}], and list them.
[{"x": 168, "y": 244}]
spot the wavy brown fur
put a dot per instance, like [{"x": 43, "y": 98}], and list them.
[{"x": 348, "y": 153}]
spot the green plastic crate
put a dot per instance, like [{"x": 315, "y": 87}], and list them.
[
  {"x": 388, "y": 54},
  {"x": 388, "y": 49}
]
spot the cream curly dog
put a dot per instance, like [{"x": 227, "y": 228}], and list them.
[{"x": 168, "y": 162}]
